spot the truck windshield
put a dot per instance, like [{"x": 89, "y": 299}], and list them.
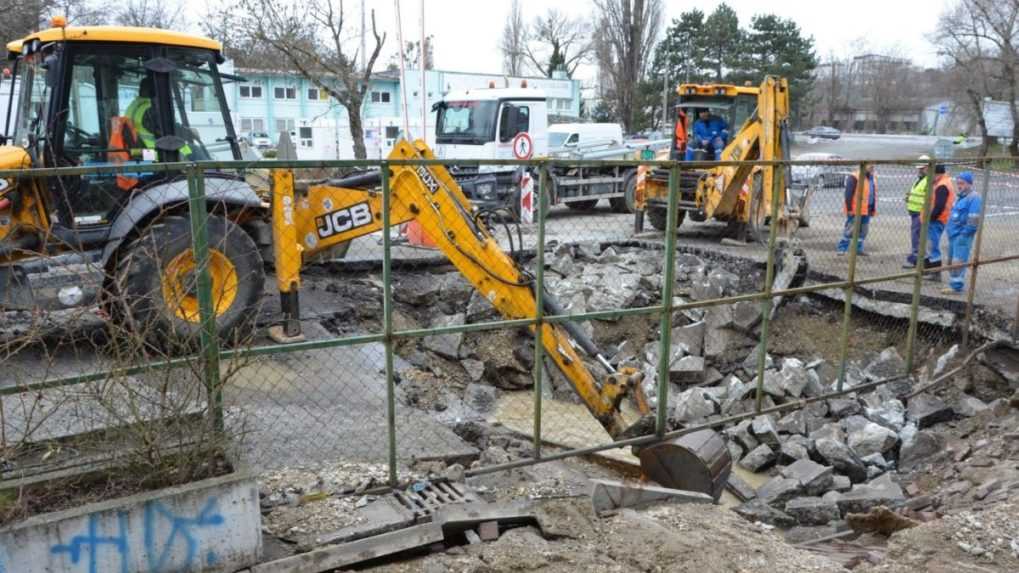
[{"x": 471, "y": 122}]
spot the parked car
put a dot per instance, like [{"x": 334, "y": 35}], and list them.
[
  {"x": 258, "y": 140},
  {"x": 824, "y": 132},
  {"x": 820, "y": 176}
]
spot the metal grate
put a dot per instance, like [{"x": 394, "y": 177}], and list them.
[{"x": 424, "y": 498}]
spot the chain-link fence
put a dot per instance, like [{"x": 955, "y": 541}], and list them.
[{"x": 441, "y": 319}]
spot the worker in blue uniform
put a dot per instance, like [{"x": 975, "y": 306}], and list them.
[
  {"x": 962, "y": 227},
  {"x": 710, "y": 133}
]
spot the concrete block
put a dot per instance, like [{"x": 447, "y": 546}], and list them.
[
  {"x": 346, "y": 554},
  {"x": 213, "y": 523},
  {"x": 608, "y": 495},
  {"x": 812, "y": 510},
  {"x": 927, "y": 410},
  {"x": 687, "y": 371},
  {"x": 759, "y": 458}
]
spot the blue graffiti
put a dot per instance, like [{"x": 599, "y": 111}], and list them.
[
  {"x": 92, "y": 541},
  {"x": 163, "y": 544},
  {"x": 161, "y": 552}
]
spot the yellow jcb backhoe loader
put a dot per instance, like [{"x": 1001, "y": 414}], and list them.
[
  {"x": 740, "y": 195},
  {"x": 137, "y": 97}
]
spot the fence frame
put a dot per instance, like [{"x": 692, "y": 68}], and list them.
[{"x": 211, "y": 355}]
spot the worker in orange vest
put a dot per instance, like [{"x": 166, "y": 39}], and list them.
[
  {"x": 679, "y": 141},
  {"x": 868, "y": 208},
  {"x": 941, "y": 209}
]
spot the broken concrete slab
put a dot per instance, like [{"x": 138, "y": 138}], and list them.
[
  {"x": 746, "y": 315},
  {"x": 887, "y": 365},
  {"x": 692, "y": 405},
  {"x": 872, "y": 439},
  {"x": 890, "y": 414},
  {"x": 793, "y": 423},
  {"x": 794, "y": 449},
  {"x": 608, "y": 496},
  {"x": 687, "y": 371},
  {"x": 968, "y": 406},
  {"x": 475, "y": 369},
  {"x": 812, "y": 510},
  {"x": 691, "y": 336},
  {"x": 814, "y": 478},
  {"x": 446, "y": 345},
  {"x": 917, "y": 446},
  {"x": 766, "y": 431},
  {"x": 863, "y": 497},
  {"x": 841, "y": 458},
  {"x": 750, "y": 362},
  {"x": 759, "y": 458},
  {"x": 794, "y": 377},
  {"x": 841, "y": 483},
  {"x": 741, "y": 434},
  {"x": 740, "y": 488},
  {"x": 757, "y": 510},
  {"x": 778, "y": 490},
  {"x": 481, "y": 397},
  {"x": 347, "y": 554},
  {"x": 842, "y": 407},
  {"x": 927, "y": 410}
]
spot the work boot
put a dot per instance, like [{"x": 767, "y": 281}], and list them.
[{"x": 934, "y": 277}]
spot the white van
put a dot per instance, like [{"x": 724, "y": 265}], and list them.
[{"x": 574, "y": 135}]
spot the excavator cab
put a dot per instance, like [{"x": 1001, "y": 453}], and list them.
[{"x": 110, "y": 96}]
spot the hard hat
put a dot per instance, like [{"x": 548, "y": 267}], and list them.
[{"x": 923, "y": 160}]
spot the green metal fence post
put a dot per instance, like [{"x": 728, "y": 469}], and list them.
[
  {"x": 387, "y": 322},
  {"x": 669, "y": 282},
  {"x": 777, "y": 187},
  {"x": 854, "y": 245},
  {"x": 974, "y": 262},
  {"x": 921, "y": 258},
  {"x": 207, "y": 317},
  {"x": 539, "y": 312}
]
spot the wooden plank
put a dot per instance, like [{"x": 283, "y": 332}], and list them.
[{"x": 336, "y": 556}]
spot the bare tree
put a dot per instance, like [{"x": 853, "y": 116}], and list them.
[
  {"x": 627, "y": 33},
  {"x": 985, "y": 33},
  {"x": 514, "y": 41},
  {"x": 557, "y": 41},
  {"x": 313, "y": 38},
  {"x": 165, "y": 14}
]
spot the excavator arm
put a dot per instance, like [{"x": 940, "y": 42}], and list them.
[{"x": 312, "y": 219}]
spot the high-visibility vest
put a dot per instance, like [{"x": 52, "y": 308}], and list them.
[
  {"x": 945, "y": 180},
  {"x": 136, "y": 113},
  {"x": 917, "y": 195},
  {"x": 868, "y": 189},
  {"x": 681, "y": 132},
  {"x": 123, "y": 139}
]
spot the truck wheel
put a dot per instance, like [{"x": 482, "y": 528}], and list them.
[
  {"x": 157, "y": 287},
  {"x": 625, "y": 203},
  {"x": 582, "y": 205},
  {"x": 658, "y": 216}
]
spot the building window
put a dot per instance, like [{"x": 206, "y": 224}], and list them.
[
  {"x": 284, "y": 92},
  {"x": 392, "y": 131},
  {"x": 380, "y": 97},
  {"x": 316, "y": 94},
  {"x": 305, "y": 134},
  {"x": 284, "y": 124},
  {"x": 251, "y": 92},
  {"x": 252, "y": 125}
]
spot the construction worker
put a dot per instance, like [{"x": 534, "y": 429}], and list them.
[
  {"x": 138, "y": 114},
  {"x": 868, "y": 208},
  {"x": 710, "y": 133},
  {"x": 679, "y": 146},
  {"x": 914, "y": 204},
  {"x": 962, "y": 227},
  {"x": 941, "y": 208}
]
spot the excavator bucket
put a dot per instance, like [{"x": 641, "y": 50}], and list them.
[{"x": 698, "y": 461}]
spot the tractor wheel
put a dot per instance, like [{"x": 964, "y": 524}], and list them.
[
  {"x": 156, "y": 284},
  {"x": 659, "y": 215},
  {"x": 625, "y": 203}
]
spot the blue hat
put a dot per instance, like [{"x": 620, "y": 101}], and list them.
[{"x": 966, "y": 176}]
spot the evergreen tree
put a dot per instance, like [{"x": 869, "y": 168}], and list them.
[{"x": 722, "y": 42}]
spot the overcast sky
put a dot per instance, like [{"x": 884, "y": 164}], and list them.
[{"x": 467, "y": 31}]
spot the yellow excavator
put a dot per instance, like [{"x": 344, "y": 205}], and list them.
[
  {"x": 739, "y": 195},
  {"x": 135, "y": 97}
]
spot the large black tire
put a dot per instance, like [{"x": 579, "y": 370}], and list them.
[
  {"x": 582, "y": 205},
  {"x": 658, "y": 216},
  {"x": 156, "y": 289},
  {"x": 625, "y": 204}
]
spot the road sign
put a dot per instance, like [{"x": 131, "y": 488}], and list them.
[
  {"x": 523, "y": 147},
  {"x": 998, "y": 118}
]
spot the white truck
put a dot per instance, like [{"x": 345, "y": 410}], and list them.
[
  {"x": 565, "y": 136},
  {"x": 512, "y": 123}
]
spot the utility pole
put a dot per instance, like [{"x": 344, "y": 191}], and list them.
[
  {"x": 424, "y": 91},
  {"x": 665, "y": 100}
]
